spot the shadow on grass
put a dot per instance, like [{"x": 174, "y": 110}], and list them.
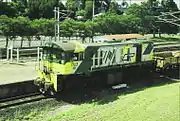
[{"x": 103, "y": 95}]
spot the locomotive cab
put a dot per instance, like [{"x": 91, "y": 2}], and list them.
[
  {"x": 62, "y": 58},
  {"x": 57, "y": 60}
]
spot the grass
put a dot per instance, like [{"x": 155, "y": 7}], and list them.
[
  {"x": 159, "y": 103},
  {"x": 36, "y": 111}
]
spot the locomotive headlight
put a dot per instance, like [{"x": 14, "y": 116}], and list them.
[{"x": 62, "y": 62}]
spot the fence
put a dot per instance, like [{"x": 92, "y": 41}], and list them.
[{"x": 22, "y": 55}]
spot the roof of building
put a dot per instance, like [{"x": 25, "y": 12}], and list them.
[{"x": 123, "y": 36}]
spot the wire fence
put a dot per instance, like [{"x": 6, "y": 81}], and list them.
[
  {"x": 34, "y": 41},
  {"x": 20, "y": 55}
]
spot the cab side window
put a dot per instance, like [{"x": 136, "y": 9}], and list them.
[
  {"x": 45, "y": 54},
  {"x": 81, "y": 56},
  {"x": 78, "y": 56}
]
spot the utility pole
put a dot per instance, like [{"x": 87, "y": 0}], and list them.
[
  {"x": 57, "y": 26},
  {"x": 55, "y": 23},
  {"x": 93, "y": 12},
  {"x": 173, "y": 20},
  {"x": 93, "y": 9},
  {"x": 64, "y": 14}
]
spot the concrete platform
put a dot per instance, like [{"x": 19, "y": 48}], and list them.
[
  {"x": 17, "y": 79},
  {"x": 17, "y": 89},
  {"x": 14, "y": 73}
]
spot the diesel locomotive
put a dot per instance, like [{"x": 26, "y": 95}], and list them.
[{"x": 107, "y": 57}]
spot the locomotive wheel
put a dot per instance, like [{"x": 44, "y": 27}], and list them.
[
  {"x": 47, "y": 93},
  {"x": 42, "y": 90},
  {"x": 37, "y": 81},
  {"x": 51, "y": 93}
]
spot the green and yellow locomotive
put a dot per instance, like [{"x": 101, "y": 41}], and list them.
[{"x": 63, "y": 60}]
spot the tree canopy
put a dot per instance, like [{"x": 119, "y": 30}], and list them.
[
  {"x": 43, "y": 8},
  {"x": 19, "y": 18}
]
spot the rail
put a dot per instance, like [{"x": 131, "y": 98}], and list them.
[{"x": 19, "y": 100}]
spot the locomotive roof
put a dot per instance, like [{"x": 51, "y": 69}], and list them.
[
  {"x": 71, "y": 46},
  {"x": 133, "y": 41},
  {"x": 63, "y": 46}
]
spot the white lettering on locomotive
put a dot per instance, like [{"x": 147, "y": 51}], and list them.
[{"x": 107, "y": 56}]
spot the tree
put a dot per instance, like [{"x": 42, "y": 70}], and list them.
[
  {"x": 146, "y": 12},
  {"x": 13, "y": 9},
  {"x": 5, "y": 27},
  {"x": 67, "y": 27},
  {"x": 102, "y": 5},
  {"x": 169, "y": 5},
  {"x": 129, "y": 23},
  {"x": 91, "y": 28},
  {"x": 88, "y": 8},
  {"x": 80, "y": 29},
  {"x": 42, "y": 27},
  {"x": 114, "y": 8},
  {"x": 21, "y": 7},
  {"x": 21, "y": 27},
  {"x": 43, "y": 8},
  {"x": 72, "y": 5},
  {"x": 8, "y": 9}
]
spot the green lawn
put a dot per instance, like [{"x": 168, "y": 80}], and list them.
[{"x": 157, "y": 103}]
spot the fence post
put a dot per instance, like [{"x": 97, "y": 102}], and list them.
[
  {"x": 11, "y": 54},
  {"x": 7, "y": 54},
  {"x": 41, "y": 61},
  {"x": 38, "y": 54},
  {"x": 17, "y": 55}
]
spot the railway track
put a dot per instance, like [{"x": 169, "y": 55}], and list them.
[
  {"x": 19, "y": 100},
  {"x": 163, "y": 47},
  {"x": 22, "y": 99},
  {"x": 164, "y": 43}
]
